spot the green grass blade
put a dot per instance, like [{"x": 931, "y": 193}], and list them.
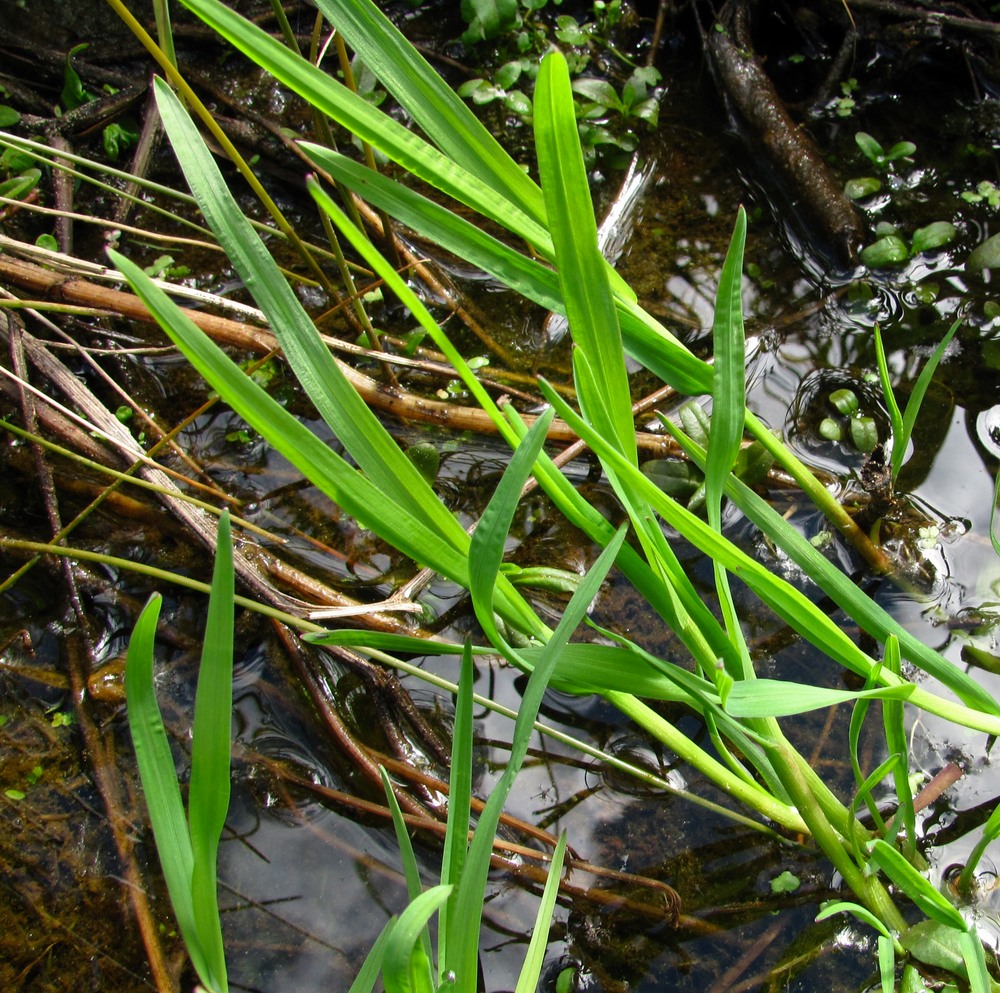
[
  {"x": 208, "y": 795},
  {"x": 411, "y": 871},
  {"x": 159, "y": 777},
  {"x": 405, "y": 966},
  {"x": 861, "y": 913},
  {"x": 463, "y": 947},
  {"x": 487, "y": 546},
  {"x": 444, "y": 227},
  {"x": 899, "y": 437},
  {"x": 364, "y": 981},
  {"x": 779, "y": 698},
  {"x": 432, "y": 103},
  {"x": 923, "y": 382},
  {"x": 393, "y": 642},
  {"x": 583, "y": 272},
  {"x": 456, "y": 838},
  {"x": 350, "y": 489},
  {"x": 357, "y": 428},
  {"x": 864, "y": 795},
  {"x": 531, "y": 970},
  {"x": 991, "y": 832},
  {"x": 368, "y": 123},
  {"x": 729, "y": 378},
  {"x": 915, "y": 886},
  {"x": 887, "y": 963},
  {"x": 728, "y": 415},
  {"x": 894, "y": 723},
  {"x": 845, "y": 593},
  {"x": 974, "y": 957},
  {"x": 858, "y": 715}
]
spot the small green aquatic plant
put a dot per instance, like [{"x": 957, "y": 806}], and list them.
[
  {"x": 188, "y": 843},
  {"x": 750, "y": 757}
]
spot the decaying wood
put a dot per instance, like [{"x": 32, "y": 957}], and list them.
[{"x": 792, "y": 152}]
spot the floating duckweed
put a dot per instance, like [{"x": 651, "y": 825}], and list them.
[
  {"x": 864, "y": 434},
  {"x": 845, "y": 401},
  {"x": 830, "y": 429}
]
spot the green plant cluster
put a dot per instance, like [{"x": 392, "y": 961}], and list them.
[
  {"x": 525, "y": 31},
  {"x": 890, "y": 246},
  {"x": 748, "y": 756}
]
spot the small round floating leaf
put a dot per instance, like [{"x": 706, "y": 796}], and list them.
[
  {"x": 426, "y": 458},
  {"x": 933, "y": 236},
  {"x": 861, "y": 187},
  {"x": 890, "y": 250},
  {"x": 986, "y": 255},
  {"x": 845, "y": 401},
  {"x": 901, "y": 150},
  {"x": 830, "y": 429},
  {"x": 864, "y": 434}
]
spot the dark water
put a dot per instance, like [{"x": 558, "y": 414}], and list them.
[{"x": 308, "y": 883}]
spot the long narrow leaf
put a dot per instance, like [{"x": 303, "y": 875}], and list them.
[
  {"x": 531, "y": 970},
  {"x": 487, "y": 551},
  {"x": 368, "y": 123},
  {"x": 431, "y": 102},
  {"x": 159, "y": 777},
  {"x": 347, "y": 487},
  {"x": 208, "y": 797},
  {"x": 456, "y": 838},
  {"x": 586, "y": 289},
  {"x": 845, "y": 593},
  {"x": 405, "y": 966},
  {"x": 897, "y": 743},
  {"x": 411, "y": 870},
  {"x": 357, "y": 428},
  {"x": 779, "y": 698}
]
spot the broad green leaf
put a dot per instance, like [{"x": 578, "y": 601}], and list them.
[
  {"x": 778, "y": 698},
  {"x": 583, "y": 274},
  {"x": 890, "y": 250},
  {"x": 935, "y": 944},
  {"x": 487, "y": 18},
  {"x": 934, "y": 235},
  {"x": 871, "y": 148},
  {"x": 600, "y": 91}
]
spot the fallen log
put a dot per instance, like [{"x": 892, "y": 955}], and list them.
[{"x": 759, "y": 110}]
